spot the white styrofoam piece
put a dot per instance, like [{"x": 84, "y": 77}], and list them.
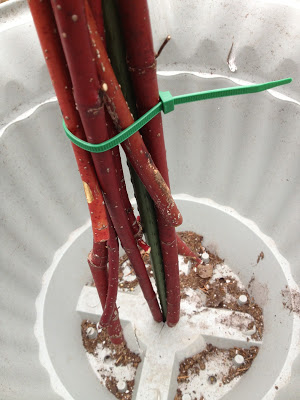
[{"x": 260, "y": 180}]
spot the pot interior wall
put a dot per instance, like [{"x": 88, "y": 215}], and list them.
[{"x": 240, "y": 153}]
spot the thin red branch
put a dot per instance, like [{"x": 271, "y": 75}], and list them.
[
  {"x": 75, "y": 38},
  {"x": 97, "y": 261},
  {"x": 96, "y": 8},
  {"x": 119, "y": 171},
  {"x": 113, "y": 277},
  {"x": 142, "y": 65},
  {"x": 164, "y": 43},
  {"x": 56, "y": 63},
  {"x": 134, "y": 147},
  {"x": 184, "y": 250}
]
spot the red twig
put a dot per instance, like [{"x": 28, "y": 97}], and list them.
[
  {"x": 97, "y": 260},
  {"x": 113, "y": 277},
  {"x": 142, "y": 65},
  {"x": 134, "y": 147},
  {"x": 96, "y": 8},
  {"x": 73, "y": 31},
  {"x": 184, "y": 250},
  {"x": 56, "y": 63},
  {"x": 164, "y": 43}
]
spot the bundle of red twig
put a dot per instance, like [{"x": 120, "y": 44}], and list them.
[{"x": 73, "y": 40}]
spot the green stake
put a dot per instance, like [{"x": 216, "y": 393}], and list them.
[{"x": 117, "y": 54}]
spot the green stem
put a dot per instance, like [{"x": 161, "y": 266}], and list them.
[{"x": 117, "y": 54}]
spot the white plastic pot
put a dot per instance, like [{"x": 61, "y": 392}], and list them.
[{"x": 234, "y": 167}]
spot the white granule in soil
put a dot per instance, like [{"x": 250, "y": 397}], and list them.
[{"x": 104, "y": 368}]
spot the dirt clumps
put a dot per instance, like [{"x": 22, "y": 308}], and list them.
[
  {"x": 260, "y": 257},
  {"x": 196, "y": 365},
  {"x": 224, "y": 292},
  {"x": 194, "y": 242},
  {"x": 291, "y": 300},
  {"x": 119, "y": 355}
]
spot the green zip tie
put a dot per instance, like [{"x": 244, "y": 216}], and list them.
[{"x": 167, "y": 105}]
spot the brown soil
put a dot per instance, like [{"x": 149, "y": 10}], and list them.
[
  {"x": 194, "y": 241},
  {"x": 197, "y": 363},
  {"x": 215, "y": 297},
  {"x": 193, "y": 279},
  {"x": 291, "y": 300},
  {"x": 216, "y": 294},
  {"x": 261, "y": 256},
  {"x": 178, "y": 396},
  {"x": 120, "y": 353}
]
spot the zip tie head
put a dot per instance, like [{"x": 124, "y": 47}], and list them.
[{"x": 167, "y": 101}]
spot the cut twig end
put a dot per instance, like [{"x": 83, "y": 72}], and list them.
[{"x": 167, "y": 39}]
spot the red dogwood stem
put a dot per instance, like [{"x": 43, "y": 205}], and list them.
[
  {"x": 113, "y": 277},
  {"x": 50, "y": 42},
  {"x": 96, "y": 8},
  {"x": 184, "y": 250},
  {"x": 142, "y": 66},
  {"x": 134, "y": 147},
  {"x": 74, "y": 34},
  {"x": 58, "y": 70},
  {"x": 119, "y": 171},
  {"x": 97, "y": 261}
]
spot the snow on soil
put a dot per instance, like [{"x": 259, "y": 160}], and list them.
[
  {"x": 221, "y": 271},
  {"x": 183, "y": 267},
  {"x": 200, "y": 384},
  {"x": 194, "y": 300},
  {"x": 107, "y": 368},
  {"x": 128, "y": 276}
]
